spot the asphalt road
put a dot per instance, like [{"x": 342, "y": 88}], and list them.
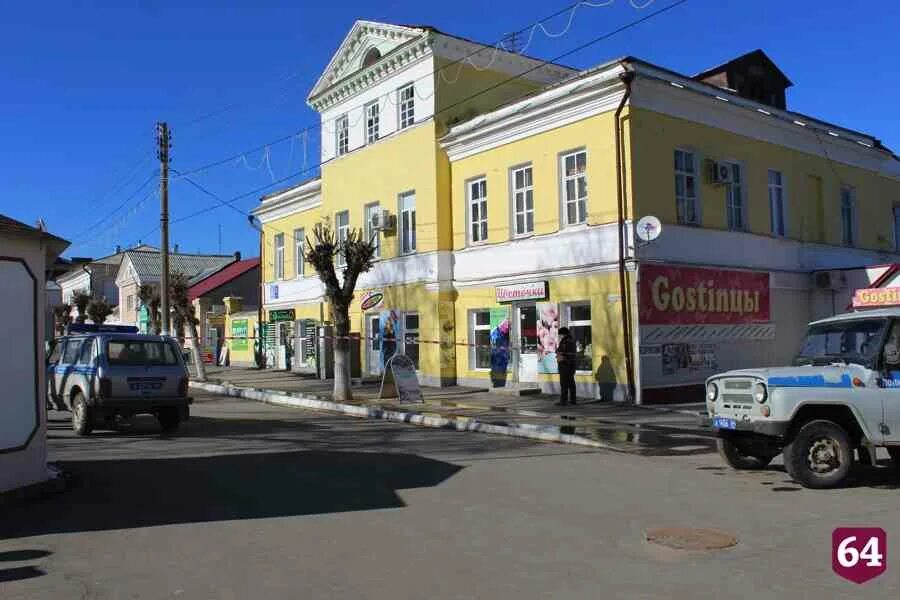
[{"x": 250, "y": 501}]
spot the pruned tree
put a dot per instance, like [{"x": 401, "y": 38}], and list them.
[
  {"x": 358, "y": 253},
  {"x": 81, "y": 299},
  {"x": 62, "y": 316},
  {"x": 149, "y": 297},
  {"x": 184, "y": 317},
  {"x": 98, "y": 310}
]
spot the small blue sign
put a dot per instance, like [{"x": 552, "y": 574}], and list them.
[{"x": 273, "y": 291}]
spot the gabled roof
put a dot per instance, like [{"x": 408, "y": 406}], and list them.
[
  {"x": 749, "y": 56},
  {"x": 148, "y": 265},
  {"x": 363, "y": 36},
  {"x": 221, "y": 276},
  {"x": 55, "y": 245}
]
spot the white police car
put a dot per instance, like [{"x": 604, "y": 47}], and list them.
[
  {"x": 841, "y": 395},
  {"x": 103, "y": 371}
]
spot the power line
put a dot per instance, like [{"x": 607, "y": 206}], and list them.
[
  {"x": 499, "y": 45},
  {"x": 118, "y": 208}
]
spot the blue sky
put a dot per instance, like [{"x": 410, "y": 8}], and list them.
[{"x": 84, "y": 83}]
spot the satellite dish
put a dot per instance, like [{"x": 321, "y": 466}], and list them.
[{"x": 648, "y": 228}]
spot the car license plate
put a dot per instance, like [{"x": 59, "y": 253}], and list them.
[{"x": 724, "y": 423}]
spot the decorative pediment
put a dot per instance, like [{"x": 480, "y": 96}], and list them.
[{"x": 366, "y": 43}]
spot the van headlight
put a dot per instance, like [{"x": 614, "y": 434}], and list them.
[
  {"x": 712, "y": 391},
  {"x": 760, "y": 393}
]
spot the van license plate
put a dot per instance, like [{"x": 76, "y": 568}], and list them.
[{"x": 724, "y": 423}]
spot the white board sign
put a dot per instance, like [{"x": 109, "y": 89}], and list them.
[{"x": 522, "y": 291}]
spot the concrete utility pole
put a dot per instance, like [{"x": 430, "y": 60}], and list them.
[{"x": 162, "y": 138}]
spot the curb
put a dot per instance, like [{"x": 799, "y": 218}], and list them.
[{"x": 542, "y": 433}]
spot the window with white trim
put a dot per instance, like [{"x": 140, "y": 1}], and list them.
[
  {"x": 411, "y": 337},
  {"x": 406, "y": 104},
  {"x": 734, "y": 200},
  {"x": 299, "y": 254},
  {"x": 686, "y": 188},
  {"x": 577, "y": 317},
  {"x": 776, "y": 203},
  {"x": 574, "y": 187},
  {"x": 480, "y": 339},
  {"x": 522, "y": 200},
  {"x": 279, "y": 256},
  {"x": 897, "y": 228},
  {"x": 848, "y": 215},
  {"x": 478, "y": 223},
  {"x": 342, "y": 135},
  {"x": 407, "y": 223},
  {"x": 342, "y": 229},
  {"x": 373, "y": 118},
  {"x": 372, "y": 234}
]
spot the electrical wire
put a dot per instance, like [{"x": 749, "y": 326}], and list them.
[{"x": 79, "y": 237}]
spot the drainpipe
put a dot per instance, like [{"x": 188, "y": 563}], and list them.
[{"x": 624, "y": 299}]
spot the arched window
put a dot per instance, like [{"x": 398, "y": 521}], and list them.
[{"x": 371, "y": 57}]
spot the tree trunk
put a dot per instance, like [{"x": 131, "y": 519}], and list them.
[
  {"x": 195, "y": 351},
  {"x": 342, "y": 391}
]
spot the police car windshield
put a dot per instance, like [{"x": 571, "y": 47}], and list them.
[
  {"x": 139, "y": 353},
  {"x": 853, "y": 341}
]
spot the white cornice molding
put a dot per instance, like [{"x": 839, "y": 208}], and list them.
[
  {"x": 395, "y": 61},
  {"x": 290, "y": 201},
  {"x": 556, "y": 107}
]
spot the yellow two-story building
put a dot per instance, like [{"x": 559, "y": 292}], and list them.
[{"x": 506, "y": 197}]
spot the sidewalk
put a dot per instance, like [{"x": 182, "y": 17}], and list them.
[{"x": 669, "y": 429}]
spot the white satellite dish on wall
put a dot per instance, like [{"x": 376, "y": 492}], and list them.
[{"x": 648, "y": 228}]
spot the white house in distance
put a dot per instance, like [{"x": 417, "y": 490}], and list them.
[{"x": 25, "y": 255}]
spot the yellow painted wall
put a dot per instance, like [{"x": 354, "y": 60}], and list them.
[
  {"x": 807, "y": 177},
  {"x": 601, "y": 290},
  {"x": 286, "y": 225},
  {"x": 595, "y": 134}
]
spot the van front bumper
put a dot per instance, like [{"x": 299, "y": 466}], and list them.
[{"x": 776, "y": 429}]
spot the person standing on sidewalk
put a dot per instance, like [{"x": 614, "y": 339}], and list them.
[{"x": 565, "y": 359}]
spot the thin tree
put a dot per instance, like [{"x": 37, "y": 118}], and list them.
[
  {"x": 62, "y": 316},
  {"x": 81, "y": 299},
  {"x": 184, "y": 316},
  {"x": 358, "y": 253},
  {"x": 149, "y": 297},
  {"x": 98, "y": 310}
]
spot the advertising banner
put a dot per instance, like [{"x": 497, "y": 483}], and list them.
[
  {"x": 687, "y": 295},
  {"x": 522, "y": 291},
  {"x": 548, "y": 337},
  {"x": 499, "y": 340},
  {"x": 389, "y": 325},
  {"x": 869, "y": 297},
  {"x": 239, "y": 335}
]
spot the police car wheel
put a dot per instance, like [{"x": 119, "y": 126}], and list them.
[
  {"x": 736, "y": 456},
  {"x": 82, "y": 417},
  {"x": 820, "y": 455},
  {"x": 895, "y": 456}
]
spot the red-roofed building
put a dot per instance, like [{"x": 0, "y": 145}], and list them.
[{"x": 238, "y": 279}]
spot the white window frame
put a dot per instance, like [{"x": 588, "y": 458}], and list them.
[
  {"x": 478, "y": 230},
  {"x": 682, "y": 201},
  {"x": 341, "y": 230},
  {"x": 896, "y": 214},
  {"x": 373, "y": 121},
  {"x": 567, "y": 321},
  {"x": 564, "y": 177},
  {"x": 299, "y": 254},
  {"x": 513, "y": 192},
  {"x": 407, "y": 331},
  {"x": 342, "y": 135},
  {"x": 372, "y": 234},
  {"x": 402, "y": 222},
  {"x": 729, "y": 194},
  {"x": 854, "y": 220},
  {"x": 278, "y": 243},
  {"x": 473, "y": 327},
  {"x": 778, "y": 190},
  {"x": 406, "y": 108}
]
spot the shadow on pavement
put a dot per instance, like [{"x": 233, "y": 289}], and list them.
[
  {"x": 19, "y": 555},
  {"x": 126, "y": 493},
  {"x": 19, "y": 573}
]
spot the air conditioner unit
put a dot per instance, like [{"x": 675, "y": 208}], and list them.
[
  {"x": 829, "y": 280},
  {"x": 719, "y": 172},
  {"x": 382, "y": 221}
]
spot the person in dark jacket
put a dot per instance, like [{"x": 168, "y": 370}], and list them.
[{"x": 565, "y": 359}]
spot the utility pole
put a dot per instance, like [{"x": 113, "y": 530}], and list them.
[{"x": 162, "y": 138}]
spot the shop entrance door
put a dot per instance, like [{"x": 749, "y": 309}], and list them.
[
  {"x": 373, "y": 344},
  {"x": 526, "y": 323}
]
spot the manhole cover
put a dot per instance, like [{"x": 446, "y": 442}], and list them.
[{"x": 684, "y": 538}]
